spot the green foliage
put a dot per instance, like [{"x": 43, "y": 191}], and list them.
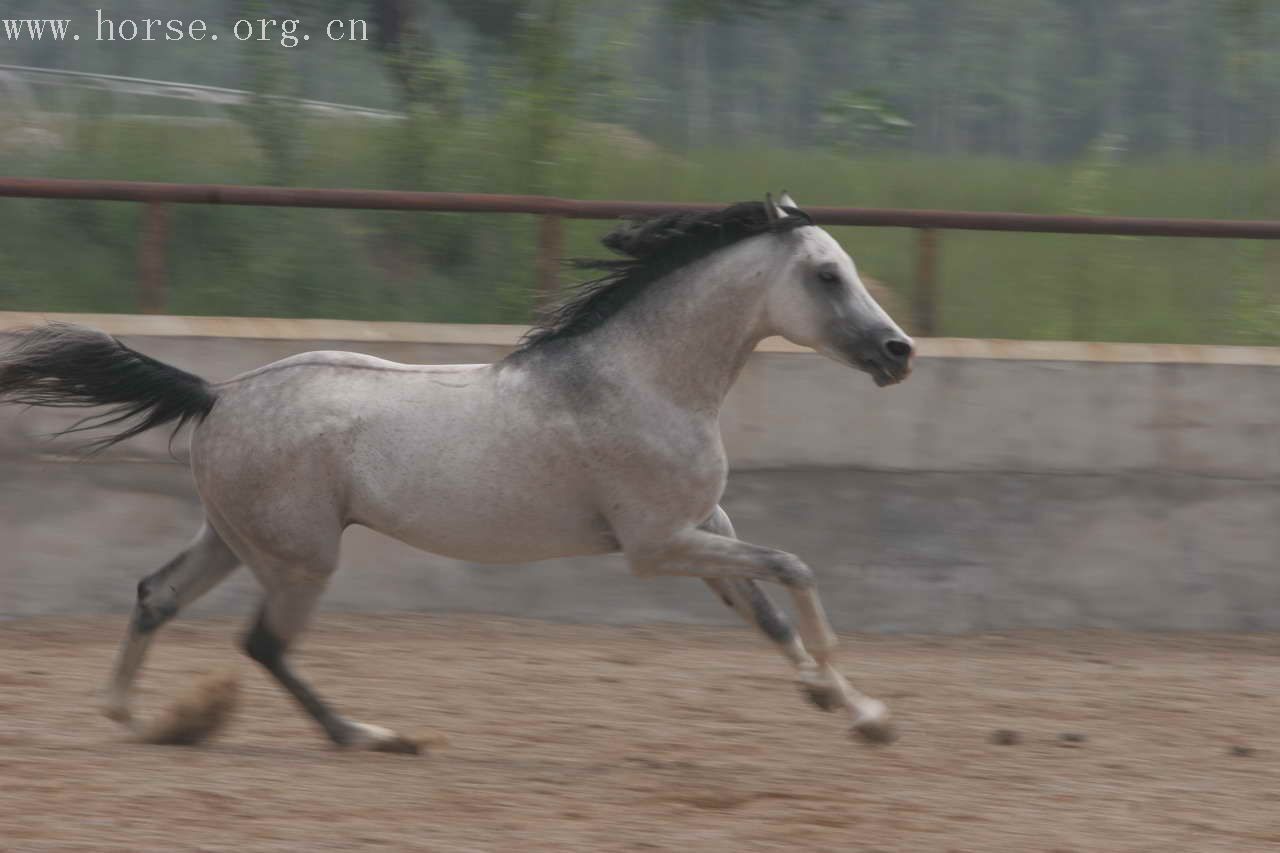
[
  {"x": 860, "y": 121},
  {"x": 462, "y": 268},
  {"x": 1030, "y": 105},
  {"x": 546, "y": 98},
  {"x": 272, "y": 114},
  {"x": 733, "y": 9},
  {"x": 1257, "y": 318}
]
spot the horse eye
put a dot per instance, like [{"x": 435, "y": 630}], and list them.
[{"x": 828, "y": 276}]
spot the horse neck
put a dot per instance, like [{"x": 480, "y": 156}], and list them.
[{"x": 689, "y": 336}]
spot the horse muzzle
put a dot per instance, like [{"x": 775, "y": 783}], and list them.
[{"x": 886, "y": 356}]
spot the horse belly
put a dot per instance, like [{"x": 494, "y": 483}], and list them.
[
  {"x": 475, "y": 494},
  {"x": 507, "y": 528}
]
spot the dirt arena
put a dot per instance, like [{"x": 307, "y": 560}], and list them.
[{"x": 599, "y": 739}]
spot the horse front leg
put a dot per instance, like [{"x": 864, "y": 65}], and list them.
[
  {"x": 750, "y": 602},
  {"x": 719, "y": 557}
]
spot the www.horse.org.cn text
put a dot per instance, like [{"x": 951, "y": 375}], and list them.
[{"x": 286, "y": 32}]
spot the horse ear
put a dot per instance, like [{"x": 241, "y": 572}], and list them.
[
  {"x": 787, "y": 201},
  {"x": 772, "y": 212}
]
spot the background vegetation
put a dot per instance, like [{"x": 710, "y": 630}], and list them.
[{"x": 1140, "y": 107}]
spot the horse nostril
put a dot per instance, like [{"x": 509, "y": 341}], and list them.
[{"x": 898, "y": 349}]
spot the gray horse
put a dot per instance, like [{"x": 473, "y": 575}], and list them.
[{"x": 598, "y": 434}]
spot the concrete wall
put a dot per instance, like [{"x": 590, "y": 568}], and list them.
[{"x": 1007, "y": 484}]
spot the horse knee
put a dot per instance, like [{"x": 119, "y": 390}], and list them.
[
  {"x": 157, "y": 603},
  {"x": 790, "y": 571}
]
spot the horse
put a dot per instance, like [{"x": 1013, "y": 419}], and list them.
[{"x": 597, "y": 434}]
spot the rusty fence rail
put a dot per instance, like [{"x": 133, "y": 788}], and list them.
[{"x": 553, "y": 211}]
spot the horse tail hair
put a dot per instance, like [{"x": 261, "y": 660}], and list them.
[{"x": 67, "y": 366}]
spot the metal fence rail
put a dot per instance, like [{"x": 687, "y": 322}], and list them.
[
  {"x": 927, "y": 223},
  {"x": 221, "y": 96}
]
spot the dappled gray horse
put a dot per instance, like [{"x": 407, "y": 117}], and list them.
[{"x": 598, "y": 434}]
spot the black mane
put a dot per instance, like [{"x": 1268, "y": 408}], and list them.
[{"x": 650, "y": 249}]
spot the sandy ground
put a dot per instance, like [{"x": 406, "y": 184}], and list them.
[{"x": 596, "y": 739}]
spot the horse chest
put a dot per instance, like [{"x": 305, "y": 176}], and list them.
[
  {"x": 678, "y": 472},
  {"x": 697, "y": 470}
]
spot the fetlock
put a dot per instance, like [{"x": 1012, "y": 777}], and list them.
[{"x": 821, "y": 691}]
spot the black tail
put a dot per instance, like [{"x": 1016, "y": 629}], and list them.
[{"x": 71, "y": 366}]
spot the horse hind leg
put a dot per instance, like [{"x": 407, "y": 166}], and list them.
[
  {"x": 200, "y": 567},
  {"x": 292, "y": 596}
]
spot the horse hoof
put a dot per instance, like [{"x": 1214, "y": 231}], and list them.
[
  {"x": 877, "y": 731},
  {"x": 378, "y": 739},
  {"x": 399, "y": 745},
  {"x": 117, "y": 713}
]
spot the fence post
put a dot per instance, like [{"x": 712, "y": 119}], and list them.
[
  {"x": 925, "y": 303},
  {"x": 550, "y": 251},
  {"x": 151, "y": 258}
]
